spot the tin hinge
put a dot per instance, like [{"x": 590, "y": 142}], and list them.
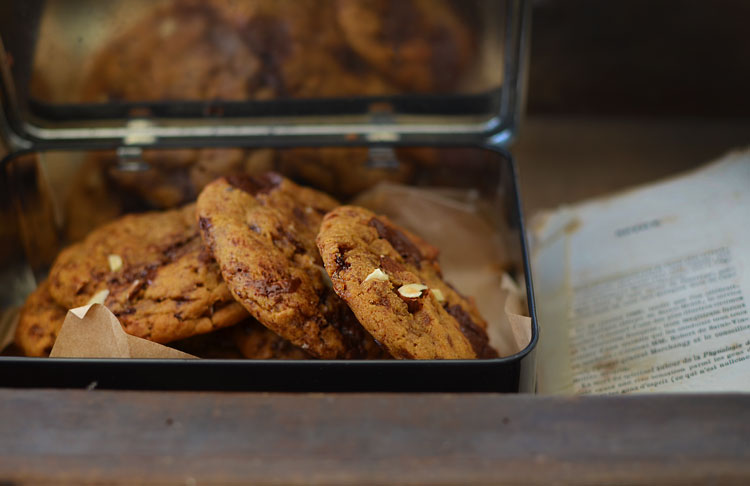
[
  {"x": 139, "y": 132},
  {"x": 382, "y": 115}
]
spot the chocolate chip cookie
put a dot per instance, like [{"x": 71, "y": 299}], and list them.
[
  {"x": 153, "y": 272},
  {"x": 392, "y": 281},
  {"x": 40, "y": 320},
  {"x": 262, "y": 230}
]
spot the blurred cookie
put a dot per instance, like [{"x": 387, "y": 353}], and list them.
[
  {"x": 40, "y": 320},
  {"x": 190, "y": 50},
  {"x": 246, "y": 340},
  {"x": 421, "y": 45},
  {"x": 92, "y": 201},
  {"x": 343, "y": 171},
  {"x": 152, "y": 272},
  {"x": 175, "y": 177},
  {"x": 181, "y": 51},
  {"x": 218, "y": 344},
  {"x": 261, "y": 230},
  {"x": 177, "y": 51},
  {"x": 392, "y": 281},
  {"x": 304, "y": 53},
  {"x": 257, "y": 342}
]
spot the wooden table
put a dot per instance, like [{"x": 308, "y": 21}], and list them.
[
  {"x": 223, "y": 438},
  {"x": 86, "y": 437}
]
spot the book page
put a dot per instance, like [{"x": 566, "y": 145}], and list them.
[{"x": 648, "y": 290}]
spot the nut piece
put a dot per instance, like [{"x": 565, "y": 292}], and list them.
[
  {"x": 412, "y": 291},
  {"x": 377, "y": 274},
  {"x": 115, "y": 262},
  {"x": 438, "y": 295},
  {"x": 99, "y": 297}
]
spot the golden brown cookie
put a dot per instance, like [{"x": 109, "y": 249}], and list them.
[
  {"x": 392, "y": 281},
  {"x": 40, "y": 321},
  {"x": 262, "y": 230},
  {"x": 421, "y": 45},
  {"x": 158, "y": 279}
]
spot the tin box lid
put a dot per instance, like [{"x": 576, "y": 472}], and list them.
[{"x": 248, "y": 72}]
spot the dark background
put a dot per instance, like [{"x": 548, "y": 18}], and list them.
[{"x": 640, "y": 57}]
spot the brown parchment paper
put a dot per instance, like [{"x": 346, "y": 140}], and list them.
[
  {"x": 93, "y": 331},
  {"x": 472, "y": 253}
]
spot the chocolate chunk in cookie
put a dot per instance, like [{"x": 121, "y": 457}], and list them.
[
  {"x": 153, "y": 272},
  {"x": 262, "y": 230},
  {"x": 392, "y": 281}
]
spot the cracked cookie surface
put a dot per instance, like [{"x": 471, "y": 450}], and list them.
[
  {"x": 156, "y": 276},
  {"x": 261, "y": 230},
  {"x": 392, "y": 281}
]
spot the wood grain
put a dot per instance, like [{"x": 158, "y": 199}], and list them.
[{"x": 213, "y": 438}]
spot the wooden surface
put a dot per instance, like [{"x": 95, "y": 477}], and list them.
[
  {"x": 97, "y": 437},
  {"x": 189, "y": 438}
]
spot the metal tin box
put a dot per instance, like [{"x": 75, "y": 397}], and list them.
[{"x": 49, "y": 131}]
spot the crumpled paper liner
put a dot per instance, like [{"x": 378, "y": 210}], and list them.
[
  {"x": 93, "y": 331},
  {"x": 473, "y": 253},
  {"x": 516, "y": 312}
]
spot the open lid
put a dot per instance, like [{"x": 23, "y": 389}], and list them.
[{"x": 246, "y": 72}]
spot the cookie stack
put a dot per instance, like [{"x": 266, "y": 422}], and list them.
[{"x": 260, "y": 267}]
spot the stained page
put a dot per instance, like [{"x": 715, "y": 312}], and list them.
[{"x": 648, "y": 290}]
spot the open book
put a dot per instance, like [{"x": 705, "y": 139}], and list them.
[{"x": 648, "y": 290}]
